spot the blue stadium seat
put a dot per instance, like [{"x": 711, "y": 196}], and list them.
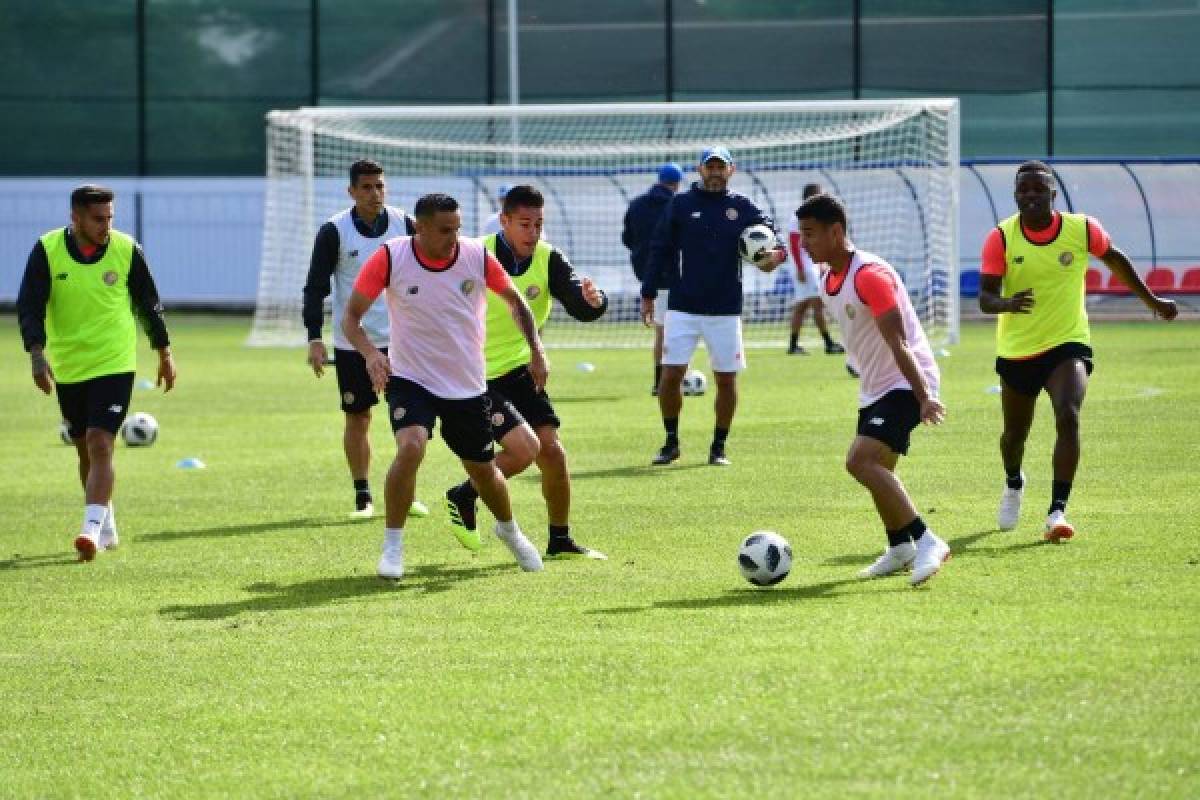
[{"x": 968, "y": 283}]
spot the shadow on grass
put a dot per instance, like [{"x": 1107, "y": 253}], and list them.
[
  {"x": 247, "y": 528},
  {"x": 751, "y": 597},
  {"x": 958, "y": 547},
  {"x": 270, "y": 596},
  {"x": 594, "y": 398},
  {"x": 19, "y": 561},
  {"x": 632, "y": 471}
]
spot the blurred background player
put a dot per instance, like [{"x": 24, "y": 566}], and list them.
[
  {"x": 695, "y": 251},
  {"x": 343, "y": 244},
  {"x": 1033, "y": 275},
  {"x": 898, "y": 387},
  {"x": 806, "y": 293},
  {"x": 436, "y": 285},
  {"x": 524, "y": 421},
  {"x": 491, "y": 225},
  {"x": 84, "y": 287},
  {"x": 641, "y": 217}
]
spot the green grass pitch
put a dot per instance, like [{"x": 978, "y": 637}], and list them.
[{"x": 239, "y": 644}]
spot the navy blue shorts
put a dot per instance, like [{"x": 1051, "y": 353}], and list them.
[
  {"x": 891, "y": 419},
  {"x": 101, "y": 402},
  {"x": 466, "y": 423},
  {"x": 1028, "y": 376}
]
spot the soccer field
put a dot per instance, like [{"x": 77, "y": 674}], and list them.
[{"x": 239, "y": 644}]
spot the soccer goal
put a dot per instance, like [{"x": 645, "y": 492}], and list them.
[{"x": 893, "y": 162}]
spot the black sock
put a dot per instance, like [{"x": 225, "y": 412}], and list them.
[
  {"x": 912, "y": 531},
  {"x": 719, "y": 436},
  {"x": 560, "y": 532},
  {"x": 672, "y": 427},
  {"x": 466, "y": 491},
  {"x": 361, "y": 485},
  {"x": 1060, "y": 492},
  {"x": 657, "y": 375},
  {"x": 793, "y": 340},
  {"x": 1015, "y": 481},
  {"x": 828, "y": 339},
  {"x": 896, "y": 537}
]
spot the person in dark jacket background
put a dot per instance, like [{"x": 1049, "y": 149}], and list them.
[
  {"x": 641, "y": 217},
  {"x": 695, "y": 251}
]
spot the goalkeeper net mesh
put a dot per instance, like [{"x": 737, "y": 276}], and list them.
[{"x": 894, "y": 163}]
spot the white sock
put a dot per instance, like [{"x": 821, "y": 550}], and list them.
[
  {"x": 393, "y": 538},
  {"x": 507, "y": 528},
  {"x": 110, "y": 521},
  {"x": 93, "y": 518}
]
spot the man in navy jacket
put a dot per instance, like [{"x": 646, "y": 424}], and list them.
[
  {"x": 695, "y": 251},
  {"x": 641, "y": 217}
]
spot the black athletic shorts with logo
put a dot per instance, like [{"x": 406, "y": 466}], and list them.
[
  {"x": 354, "y": 382},
  {"x": 515, "y": 400},
  {"x": 891, "y": 419},
  {"x": 101, "y": 402},
  {"x": 466, "y": 423},
  {"x": 1028, "y": 376}
]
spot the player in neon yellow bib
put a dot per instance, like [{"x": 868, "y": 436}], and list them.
[
  {"x": 1034, "y": 274},
  {"x": 524, "y": 422},
  {"x": 85, "y": 287}
]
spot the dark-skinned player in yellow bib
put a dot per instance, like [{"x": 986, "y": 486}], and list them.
[
  {"x": 523, "y": 419},
  {"x": 1033, "y": 276}
]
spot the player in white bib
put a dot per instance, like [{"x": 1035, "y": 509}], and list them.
[
  {"x": 434, "y": 284},
  {"x": 899, "y": 382},
  {"x": 806, "y": 291},
  {"x": 342, "y": 244}
]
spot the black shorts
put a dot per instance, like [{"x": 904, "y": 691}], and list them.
[
  {"x": 1028, "y": 376},
  {"x": 891, "y": 419},
  {"x": 101, "y": 402},
  {"x": 354, "y": 382},
  {"x": 516, "y": 400},
  {"x": 466, "y": 423}
]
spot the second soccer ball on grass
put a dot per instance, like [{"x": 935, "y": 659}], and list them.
[
  {"x": 140, "y": 430},
  {"x": 694, "y": 383}
]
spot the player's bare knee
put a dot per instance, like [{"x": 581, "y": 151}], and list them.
[
  {"x": 552, "y": 457},
  {"x": 99, "y": 444}
]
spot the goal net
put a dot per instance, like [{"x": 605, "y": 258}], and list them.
[{"x": 894, "y": 163}]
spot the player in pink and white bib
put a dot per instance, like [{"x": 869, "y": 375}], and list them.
[
  {"x": 434, "y": 284},
  {"x": 898, "y": 383}
]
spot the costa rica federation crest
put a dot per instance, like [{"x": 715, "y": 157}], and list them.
[
  {"x": 1066, "y": 258},
  {"x": 467, "y": 286},
  {"x": 110, "y": 278},
  {"x": 532, "y": 291}
]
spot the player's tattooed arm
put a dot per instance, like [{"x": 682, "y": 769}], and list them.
[{"x": 539, "y": 368}]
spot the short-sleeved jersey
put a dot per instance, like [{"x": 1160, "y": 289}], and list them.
[{"x": 436, "y": 311}]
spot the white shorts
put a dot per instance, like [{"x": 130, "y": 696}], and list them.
[
  {"x": 660, "y": 307},
  {"x": 722, "y": 336},
  {"x": 808, "y": 289}
]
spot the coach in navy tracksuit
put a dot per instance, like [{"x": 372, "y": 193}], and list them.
[
  {"x": 695, "y": 247},
  {"x": 641, "y": 218}
]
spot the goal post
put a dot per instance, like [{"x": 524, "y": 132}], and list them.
[{"x": 894, "y": 163}]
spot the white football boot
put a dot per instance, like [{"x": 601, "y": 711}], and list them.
[
  {"x": 895, "y": 559},
  {"x": 932, "y": 552},
  {"x": 523, "y": 551},
  {"x": 1010, "y": 506},
  {"x": 1057, "y": 527},
  {"x": 391, "y": 560}
]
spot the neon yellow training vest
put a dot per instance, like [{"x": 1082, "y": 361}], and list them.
[
  {"x": 90, "y": 327},
  {"x": 505, "y": 347},
  {"x": 1057, "y": 273}
]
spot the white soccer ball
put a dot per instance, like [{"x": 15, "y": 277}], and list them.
[
  {"x": 694, "y": 383},
  {"x": 765, "y": 558},
  {"x": 64, "y": 433},
  {"x": 754, "y": 240},
  {"x": 140, "y": 430}
]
